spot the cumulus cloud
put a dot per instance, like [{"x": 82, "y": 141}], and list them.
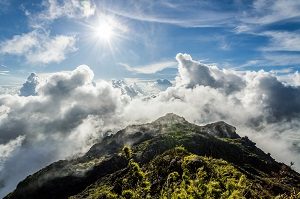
[
  {"x": 280, "y": 101},
  {"x": 291, "y": 78},
  {"x": 39, "y": 47},
  {"x": 57, "y": 122},
  {"x": 250, "y": 89},
  {"x": 192, "y": 73}
]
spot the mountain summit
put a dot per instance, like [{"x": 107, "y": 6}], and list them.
[
  {"x": 168, "y": 158},
  {"x": 170, "y": 118}
]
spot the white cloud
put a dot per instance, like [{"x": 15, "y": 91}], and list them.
[
  {"x": 272, "y": 11},
  {"x": 191, "y": 14},
  {"x": 282, "y": 41},
  {"x": 4, "y": 72},
  {"x": 70, "y": 8},
  {"x": 52, "y": 50},
  {"x": 272, "y": 59},
  {"x": 291, "y": 78},
  {"x": 265, "y": 18},
  {"x": 8, "y": 149},
  {"x": 151, "y": 68},
  {"x": 244, "y": 16},
  {"x": 19, "y": 44},
  {"x": 39, "y": 48},
  {"x": 280, "y": 59},
  {"x": 55, "y": 9},
  {"x": 192, "y": 73}
]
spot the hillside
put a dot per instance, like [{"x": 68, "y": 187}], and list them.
[{"x": 168, "y": 158}]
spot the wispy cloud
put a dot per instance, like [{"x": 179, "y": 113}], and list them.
[
  {"x": 54, "y": 9},
  {"x": 151, "y": 68},
  {"x": 207, "y": 13},
  {"x": 265, "y": 19},
  {"x": 263, "y": 13},
  {"x": 272, "y": 59},
  {"x": 282, "y": 41},
  {"x": 4, "y": 72},
  {"x": 39, "y": 48},
  {"x": 19, "y": 44},
  {"x": 280, "y": 59},
  {"x": 270, "y": 11},
  {"x": 187, "y": 14}
]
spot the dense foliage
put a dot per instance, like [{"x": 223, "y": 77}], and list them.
[{"x": 178, "y": 174}]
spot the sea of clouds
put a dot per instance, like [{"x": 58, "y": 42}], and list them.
[{"x": 65, "y": 113}]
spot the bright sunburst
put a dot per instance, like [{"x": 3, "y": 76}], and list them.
[{"x": 104, "y": 30}]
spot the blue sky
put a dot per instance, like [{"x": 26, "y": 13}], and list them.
[{"x": 144, "y": 36}]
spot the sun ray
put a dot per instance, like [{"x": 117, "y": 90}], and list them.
[{"x": 105, "y": 32}]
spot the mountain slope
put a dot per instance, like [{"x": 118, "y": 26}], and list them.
[{"x": 168, "y": 158}]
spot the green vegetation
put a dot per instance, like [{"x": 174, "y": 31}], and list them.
[
  {"x": 127, "y": 151},
  {"x": 178, "y": 174}
]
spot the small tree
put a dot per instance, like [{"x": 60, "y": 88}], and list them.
[{"x": 127, "y": 151}]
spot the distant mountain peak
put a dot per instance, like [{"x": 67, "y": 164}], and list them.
[
  {"x": 132, "y": 90},
  {"x": 30, "y": 86},
  {"x": 222, "y": 129}
]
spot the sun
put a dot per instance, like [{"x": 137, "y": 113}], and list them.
[{"x": 104, "y": 31}]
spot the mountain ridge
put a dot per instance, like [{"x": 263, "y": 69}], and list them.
[{"x": 148, "y": 142}]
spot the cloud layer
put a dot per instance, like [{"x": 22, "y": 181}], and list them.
[{"x": 65, "y": 113}]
